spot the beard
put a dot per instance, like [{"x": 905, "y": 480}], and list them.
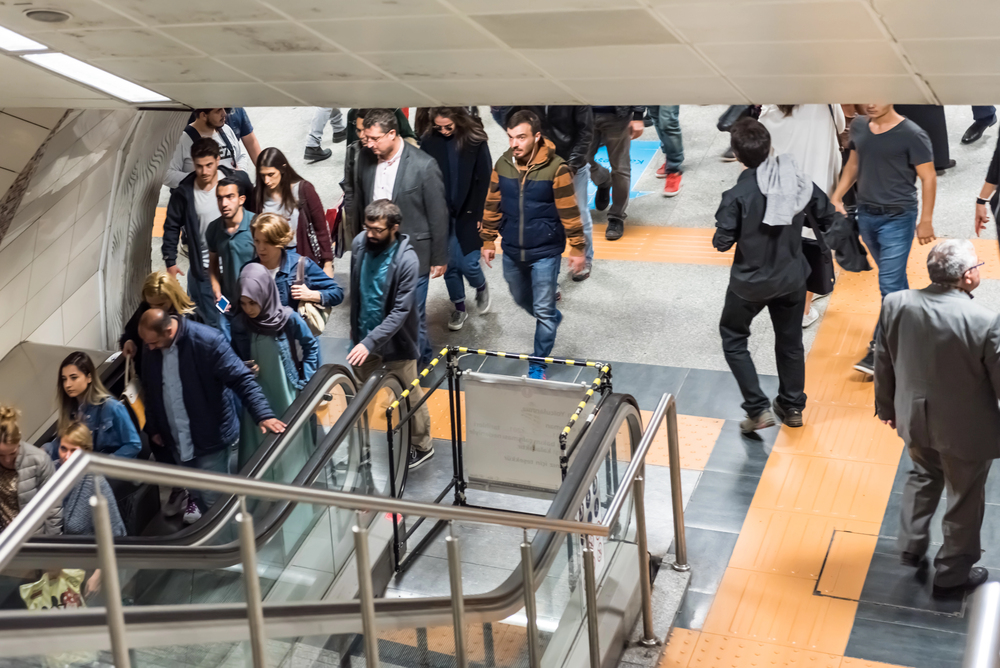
[{"x": 376, "y": 246}]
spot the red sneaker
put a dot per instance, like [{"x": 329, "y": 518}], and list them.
[
  {"x": 661, "y": 172},
  {"x": 672, "y": 186}
]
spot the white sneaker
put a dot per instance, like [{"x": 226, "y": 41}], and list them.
[
  {"x": 177, "y": 502},
  {"x": 456, "y": 320},
  {"x": 809, "y": 318},
  {"x": 191, "y": 514},
  {"x": 817, "y": 298}
]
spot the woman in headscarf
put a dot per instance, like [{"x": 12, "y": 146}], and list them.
[{"x": 264, "y": 336}]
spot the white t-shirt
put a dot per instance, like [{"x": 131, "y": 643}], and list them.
[
  {"x": 809, "y": 135},
  {"x": 291, "y": 213},
  {"x": 273, "y": 272},
  {"x": 206, "y": 205}
]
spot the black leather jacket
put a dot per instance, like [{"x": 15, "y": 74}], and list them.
[{"x": 569, "y": 127}]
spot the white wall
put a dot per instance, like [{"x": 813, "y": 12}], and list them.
[
  {"x": 50, "y": 256},
  {"x": 23, "y": 131}
]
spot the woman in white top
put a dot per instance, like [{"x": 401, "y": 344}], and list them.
[
  {"x": 280, "y": 190},
  {"x": 808, "y": 132}
]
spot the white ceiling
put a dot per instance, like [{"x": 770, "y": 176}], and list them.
[{"x": 354, "y": 53}]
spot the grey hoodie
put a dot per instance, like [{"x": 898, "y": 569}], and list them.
[{"x": 787, "y": 189}]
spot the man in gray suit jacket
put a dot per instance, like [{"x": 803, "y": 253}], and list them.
[
  {"x": 410, "y": 179},
  {"x": 937, "y": 381}
]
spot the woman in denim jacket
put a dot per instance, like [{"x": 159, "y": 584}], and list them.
[
  {"x": 264, "y": 336},
  {"x": 83, "y": 398}
]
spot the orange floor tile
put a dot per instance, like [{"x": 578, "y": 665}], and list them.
[
  {"x": 778, "y": 609},
  {"x": 697, "y": 439},
  {"x": 787, "y": 543},
  {"x": 679, "y": 648},
  {"x": 842, "y": 433},
  {"x": 847, "y": 564},
  {"x": 508, "y": 642},
  {"x": 158, "y": 219},
  {"x": 715, "y": 651},
  {"x": 642, "y": 243},
  {"x": 848, "y": 662}
]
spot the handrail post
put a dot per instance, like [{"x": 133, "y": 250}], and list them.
[
  {"x": 645, "y": 587},
  {"x": 676, "y": 493},
  {"x": 457, "y": 602},
  {"x": 982, "y": 645},
  {"x": 530, "y": 612},
  {"x": 590, "y": 590},
  {"x": 366, "y": 593},
  {"x": 109, "y": 575},
  {"x": 251, "y": 583}
]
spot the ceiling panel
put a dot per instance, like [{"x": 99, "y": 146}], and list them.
[
  {"x": 85, "y": 14},
  {"x": 465, "y": 64},
  {"x": 250, "y": 38},
  {"x": 916, "y": 19},
  {"x": 358, "y": 94},
  {"x": 498, "y": 92},
  {"x": 571, "y": 29},
  {"x": 170, "y": 70},
  {"x": 704, "y": 22},
  {"x": 954, "y": 56},
  {"x": 21, "y": 81},
  {"x": 116, "y": 42},
  {"x": 304, "y": 67},
  {"x": 166, "y": 12},
  {"x": 606, "y": 61},
  {"x": 707, "y": 90},
  {"x": 306, "y": 10},
  {"x": 212, "y": 95},
  {"x": 775, "y": 59},
  {"x": 831, "y": 89},
  {"x": 966, "y": 89},
  {"x": 395, "y": 34},
  {"x": 493, "y": 7}
]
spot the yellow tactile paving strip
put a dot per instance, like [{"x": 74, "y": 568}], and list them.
[
  {"x": 508, "y": 642},
  {"x": 847, "y": 564},
  {"x": 697, "y": 439},
  {"x": 679, "y": 245}
]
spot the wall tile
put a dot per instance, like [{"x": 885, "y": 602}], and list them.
[
  {"x": 43, "y": 304},
  {"x": 81, "y": 307},
  {"x": 47, "y": 118},
  {"x": 53, "y": 260},
  {"x": 56, "y": 222},
  {"x": 6, "y": 179},
  {"x": 14, "y": 295},
  {"x": 90, "y": 225},
  {"x": 10, "y": 332},
  {"x": 20, "y": 141},
  {"x": 50, "y": 331},
  {"x": 16, "y": 255},
  {"x": 85, "y": 264},
  {"x": 96, "y": 186},
  {"x": 89, "y": 337}
]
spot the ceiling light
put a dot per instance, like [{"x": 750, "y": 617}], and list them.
[
  {"x": 48, "y": 15},
  {"x": 92, "y": 76},
  {"x": 11, "y": 41}
]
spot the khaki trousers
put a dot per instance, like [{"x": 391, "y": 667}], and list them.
[{"x": 404, "y": 371}]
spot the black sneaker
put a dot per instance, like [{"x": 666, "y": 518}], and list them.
[
  {"x": 790, "y": 417},
  {"x": 616, "y": 228},
  {"x": 977, "y": 576},
  {"x": 339, "y": 137},
  {"x": 316, "y": 154},
  {"x": 419, "y": 457},
  {"x": 867, "y": 363},
  {"x": 729, "y": 155},
  {"x": 581, "y": 275},
  {"x": 603, "y": 198},
  {"x": 762, "y": 421}
]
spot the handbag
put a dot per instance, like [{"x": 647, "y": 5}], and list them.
[
  {"x": 314, "y": 315},
  {"x": 131, "y": 396},
  {"x": 822, "y": 276}
]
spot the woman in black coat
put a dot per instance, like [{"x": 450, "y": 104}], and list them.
[{"x": 457, "y": 141}]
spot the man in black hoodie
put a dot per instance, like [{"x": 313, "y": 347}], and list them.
[
  {"x": 193, "y": 206},
  {"x": 385, "y": 323}
]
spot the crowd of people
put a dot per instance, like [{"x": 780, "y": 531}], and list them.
[{"x": 221, "y": 361}]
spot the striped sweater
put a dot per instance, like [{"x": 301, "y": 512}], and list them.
[{"x": 533, "y": 208}]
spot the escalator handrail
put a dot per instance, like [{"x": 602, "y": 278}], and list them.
[
  {"x": 499, "y": 603},
  {"x": 150, "y": 550}
]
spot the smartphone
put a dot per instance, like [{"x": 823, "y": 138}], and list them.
[{"x": 222, "y": 304}]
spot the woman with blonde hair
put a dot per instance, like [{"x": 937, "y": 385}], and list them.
[
  {"x": 271, "y": 236},
  {"x": 24, "y": 470},
  {"x": 159, "y": 290}
]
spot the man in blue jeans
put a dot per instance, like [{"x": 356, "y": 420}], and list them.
[
  {"x": 666, "y": 120},
  {"x": 888, "y": 153},
  {"x": 532, "y": 205}
]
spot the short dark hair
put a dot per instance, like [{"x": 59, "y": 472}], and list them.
[
  {"x": 525, "y": 116},
  {"x": 230, "y": 182},
  {"x": 751, "y": 142},
  {"x": 383, "y": 209},
  {"x": 206, "y": 147},
  {"x": 385, "y": 119}
]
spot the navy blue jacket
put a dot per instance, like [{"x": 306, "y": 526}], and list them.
[
  {"x": 208, "y": 365},
  {"x": 331, "y": 294}
]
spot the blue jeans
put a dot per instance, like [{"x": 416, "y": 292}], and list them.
[
  {"x": 581, "y": 180},
  {"x": 201, "y": 294},
  {"x": 889, "y": 237},
  {"x": 985, "y": 114},
  {"x": 216, "y": 462},
  {"x": 666, "y": 120},
  {"x": 533, "y": 287},
  {"x": 423, "y": 343},
  {"x": 460, "y": 265}
]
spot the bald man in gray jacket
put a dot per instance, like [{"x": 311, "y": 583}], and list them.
[{"x": 937, "y": 381}]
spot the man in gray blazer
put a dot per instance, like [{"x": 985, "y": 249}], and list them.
[
  {"x": 937, "y": 381},
  {"x": 394, "y": 170}
]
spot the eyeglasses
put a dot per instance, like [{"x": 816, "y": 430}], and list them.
[
  {"x": 445, "y": 128},
  {"x": 975, "y": 266},
  {"x": 368, "y": 141},
  {"x": 375, "y": 230}
]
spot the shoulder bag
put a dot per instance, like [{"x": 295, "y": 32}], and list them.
[
  {"x": 131, "y": 396},
  {"x": 314, "y": 314}
]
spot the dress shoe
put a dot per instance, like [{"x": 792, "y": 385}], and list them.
[
  {"x": 340, "y": 136},
  {"x": 317, "y": 153},
  {"x": 977, "y": 576},
  {"x": 941, "y": 171},
  {"x": 976, "y": 130}
]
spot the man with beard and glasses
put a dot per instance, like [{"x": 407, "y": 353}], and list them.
[{"x": 385, "y": 323}]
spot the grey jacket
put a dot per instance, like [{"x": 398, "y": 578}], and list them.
[
  {"x": 34, "y": 469},
  {"x": 937, "y": 372},
  {"x": 419, "y": 194}
]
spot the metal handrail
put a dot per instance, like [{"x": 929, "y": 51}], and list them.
[{"x": 982, "y": 645}]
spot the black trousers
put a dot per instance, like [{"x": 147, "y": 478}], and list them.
[{"x": 786, "y": 317}]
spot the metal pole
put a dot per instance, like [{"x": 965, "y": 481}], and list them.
[
  {"x": 457, "y": 602},
  {"x": 528, "y": 575},
  {"x": 982, "y": 646},
  {"x": 109, "y": 575},
  {"x": 676, "y": 493},
  {"x": 366, "y": 593},
  {"x": 590, "y": 588},
  {"x": 645, "y": 587},
  {"x": 251, "y": 582}
]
